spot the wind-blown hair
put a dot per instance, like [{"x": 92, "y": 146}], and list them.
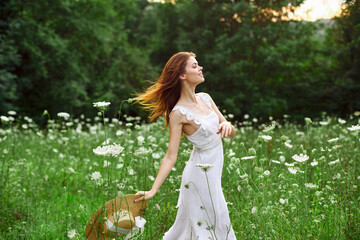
[{"x": 161, "y": 97}]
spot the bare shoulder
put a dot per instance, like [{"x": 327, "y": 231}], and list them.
[
  {"x": 206, "y": 96},
  {"x": 176, "y": 117}
]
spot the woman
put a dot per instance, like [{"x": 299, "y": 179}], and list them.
[{"x": 202, "y": 210}]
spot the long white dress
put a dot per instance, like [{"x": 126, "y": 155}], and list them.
[{"x": 202, "y": 209}]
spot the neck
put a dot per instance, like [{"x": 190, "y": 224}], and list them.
[{"x": 188, "y": 93}]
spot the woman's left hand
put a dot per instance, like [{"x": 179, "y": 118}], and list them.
[{"x": 225, "y": 128}]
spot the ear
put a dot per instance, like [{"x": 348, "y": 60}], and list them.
[{"x": 183, "y": 76}]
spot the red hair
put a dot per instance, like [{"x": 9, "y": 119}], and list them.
[{"x": 161, "y": 97}]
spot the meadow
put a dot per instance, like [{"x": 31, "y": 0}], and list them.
[{"x": 282, "y": 179}]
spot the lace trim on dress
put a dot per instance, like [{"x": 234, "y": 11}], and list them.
[
  {"x": 188, "y": 114},
  {"x": 205, "y": 98}
]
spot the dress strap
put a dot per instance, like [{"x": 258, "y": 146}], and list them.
[
  {"x": 190, "y": 116},
  {"x": 205, "y": 98}
]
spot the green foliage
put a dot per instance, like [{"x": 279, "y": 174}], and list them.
[
  {"x": 9, "y": 58},
  {"x": 74, "y": 53}
]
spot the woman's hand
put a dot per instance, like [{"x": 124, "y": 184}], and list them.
[
  {"x": 225, "y": 128},
  {"x": 145, "y": 195}
]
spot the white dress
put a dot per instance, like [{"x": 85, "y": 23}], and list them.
[{"x": 202, "y": 210}]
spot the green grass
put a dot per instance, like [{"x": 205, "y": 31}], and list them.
[{"x": 47, "y": 190}]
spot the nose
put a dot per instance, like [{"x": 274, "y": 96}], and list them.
[{"x": 201, "y": 68}]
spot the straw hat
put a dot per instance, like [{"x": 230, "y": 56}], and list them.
[{"x": 115, "y": 218}]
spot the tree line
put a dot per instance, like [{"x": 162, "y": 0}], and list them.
[{"x": 63, "y": 55}]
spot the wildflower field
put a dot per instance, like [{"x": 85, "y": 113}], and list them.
[{"x": 281, "y": 180}]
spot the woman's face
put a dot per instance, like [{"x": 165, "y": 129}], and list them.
[{"x": 193, "y": 72}]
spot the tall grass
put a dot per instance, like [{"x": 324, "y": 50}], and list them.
[{"x": 49, "y": 189}]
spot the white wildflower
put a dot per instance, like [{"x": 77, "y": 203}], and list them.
[
  {"x": 231, "y": 153},
  {"x": 266, "y": 137},
  {"x": 341, "y": 121},
  {"x": 311, "y": 185},
  {"x": 314, "y": 163},
  {"x": 274, "y": 161},
  {"x": 333, "y": 162},
  {"x": 267, "y": 173},
  {"x": 71, "y": 233},
  {"x": 4, "y": 119},
  {"x": 155, "y": 155},
  {"x": 324, "y": 123},
  {"x": 244, "y": 176},
  {"x": 119, "y": 132},
  {"x": 204, "y": 167},
  {"x": 253, "y": 210},
  {"x": 71, "y": 170},
  {"x": 101, "y": 105},
  {"x": 300, "y": 158},
  {"x": 248, "y": 157},
  {"x": 288, "y": 145},
  {"x": 63, "y": 115},
  {"x": 283, "y": 201},
  {"x": 140, "y": 139},
  {"x": 333, "y": 140},
  {"x": 106, "y": 163},
  {"x": 142, "y": 151},
  {"x": 156, "y": 165},
  {"x": 12, "y": 113},
  {"x": 354, "y": 128},
  {"x": 131, "y": 171},
  {"x": 95, "y": 176},
  {"x": 292, "y": 170},
  {"x": 113, "y": 150},
  {"x": 289, "y": 164},
  {"x": 269, "y": 128}
]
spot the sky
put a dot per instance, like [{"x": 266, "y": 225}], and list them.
[{"x": 312, "y": 10}]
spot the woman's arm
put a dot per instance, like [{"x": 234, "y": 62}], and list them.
[
  {"x": 225, "y": 127},
  {"x": 168, "y": 162}
]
